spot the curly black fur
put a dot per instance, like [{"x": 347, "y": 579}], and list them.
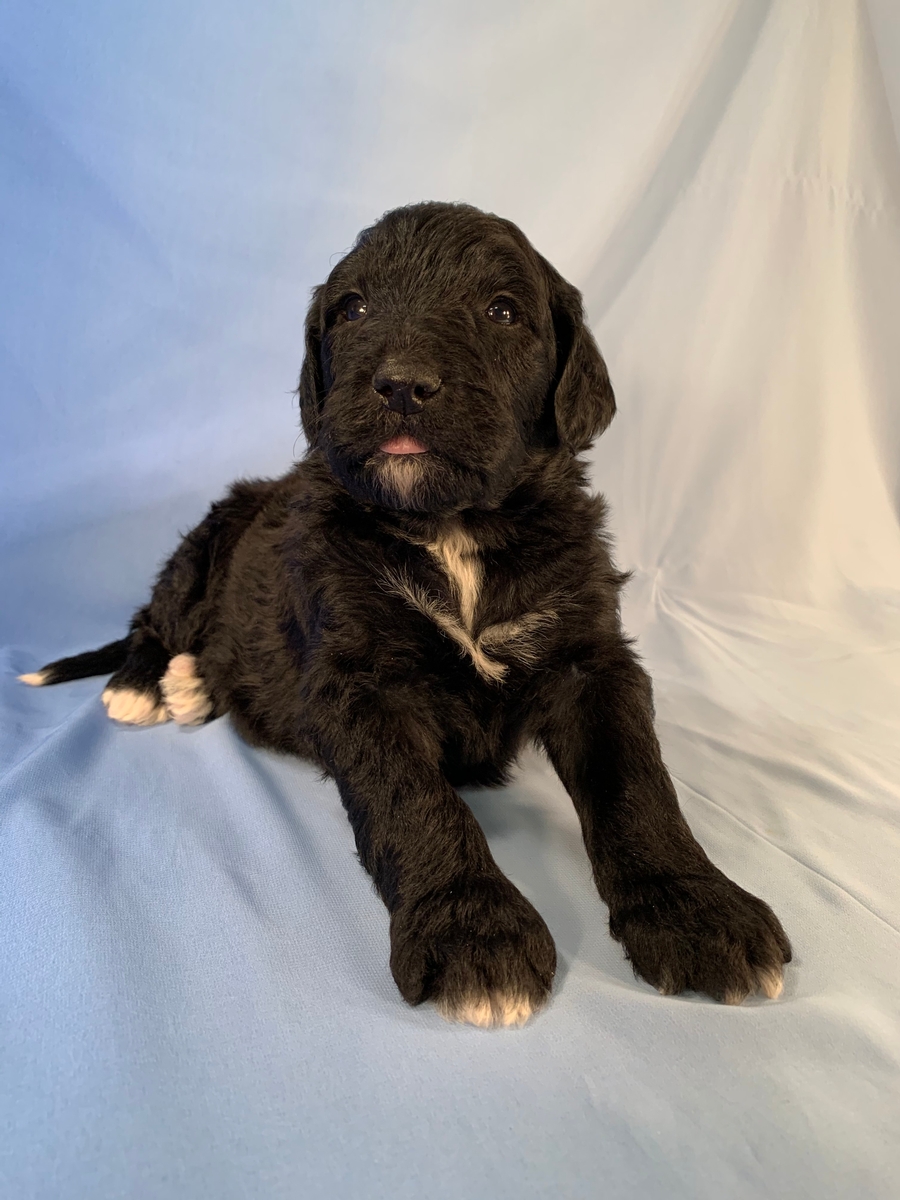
[{"x": 410, "y": 620}]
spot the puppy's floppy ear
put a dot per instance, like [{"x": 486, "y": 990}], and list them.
[
  {"x": 311, "y": 388},
  {"x": 583, "y": 399}
]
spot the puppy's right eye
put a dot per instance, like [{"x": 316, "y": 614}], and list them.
[
  {"x": 502, "y": 311},
  {"x": 355, "y": 308}
]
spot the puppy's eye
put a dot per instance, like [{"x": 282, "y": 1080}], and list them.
[
  {"x": 502, "y": 311},
  {"x": 355, "y": 308}
]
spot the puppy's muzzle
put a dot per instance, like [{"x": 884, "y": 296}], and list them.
[{"x": 404, "y": 389}]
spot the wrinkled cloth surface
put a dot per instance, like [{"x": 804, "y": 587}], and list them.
[{"x": 194, "y": 991}]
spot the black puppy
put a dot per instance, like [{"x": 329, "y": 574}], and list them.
[{"x": 428, "y": 590}]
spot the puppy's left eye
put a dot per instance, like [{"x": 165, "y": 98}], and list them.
[
  {"x": 502, "y": 311},
  {"x": 355, "y": 308}
]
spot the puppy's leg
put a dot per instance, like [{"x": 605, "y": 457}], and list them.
[
  {"x": 684, "y": 925},
  {"x": 185, "y": 600},
  {"x": 462, "y": 935},
  {"x": 160, "y": 678}
]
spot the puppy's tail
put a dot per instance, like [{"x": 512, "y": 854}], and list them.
[{"x": 94, "y": 662}]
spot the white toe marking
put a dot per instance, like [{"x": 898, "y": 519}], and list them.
[
  {"x": 666, "y": 985},
  {"x": 771, "y": 983},
  {"x": 488, "y": 1010},
  {"x": 186, "y": 699},
  {"x": 132, "y": 707},
  {"x": 182, "y": 665},
  {"x": 34, "y": 679}
]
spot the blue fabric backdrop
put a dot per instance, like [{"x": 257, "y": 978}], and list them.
[{"x": 194, "y": 991}]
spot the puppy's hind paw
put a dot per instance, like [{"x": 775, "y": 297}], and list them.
[
  {"x": 186, "y": 700},
  {"x": 132, "y": 707}
]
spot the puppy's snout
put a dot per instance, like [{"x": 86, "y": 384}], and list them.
[{"x": 404, "y": 390}]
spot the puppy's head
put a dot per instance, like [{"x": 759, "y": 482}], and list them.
[{"x": 440, "y": 352}]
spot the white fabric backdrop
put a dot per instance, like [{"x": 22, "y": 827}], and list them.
[{"x": 194, "y": 973}]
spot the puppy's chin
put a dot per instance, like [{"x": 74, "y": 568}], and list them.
[
  {"x": 422, "y": 483},
  {"x": 402, "y": 479}
]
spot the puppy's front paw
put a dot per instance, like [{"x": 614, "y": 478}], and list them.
[
  {"x": 477, "y": 949},
  {"x": 701, "y": 933}
]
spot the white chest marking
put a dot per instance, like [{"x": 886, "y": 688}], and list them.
[{"x": 457, "y": 554}]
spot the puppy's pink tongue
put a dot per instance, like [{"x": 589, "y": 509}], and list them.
[{"x": 403, "y": 444}]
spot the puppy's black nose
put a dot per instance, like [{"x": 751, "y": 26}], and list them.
[{"x": 404, "y": 391}]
